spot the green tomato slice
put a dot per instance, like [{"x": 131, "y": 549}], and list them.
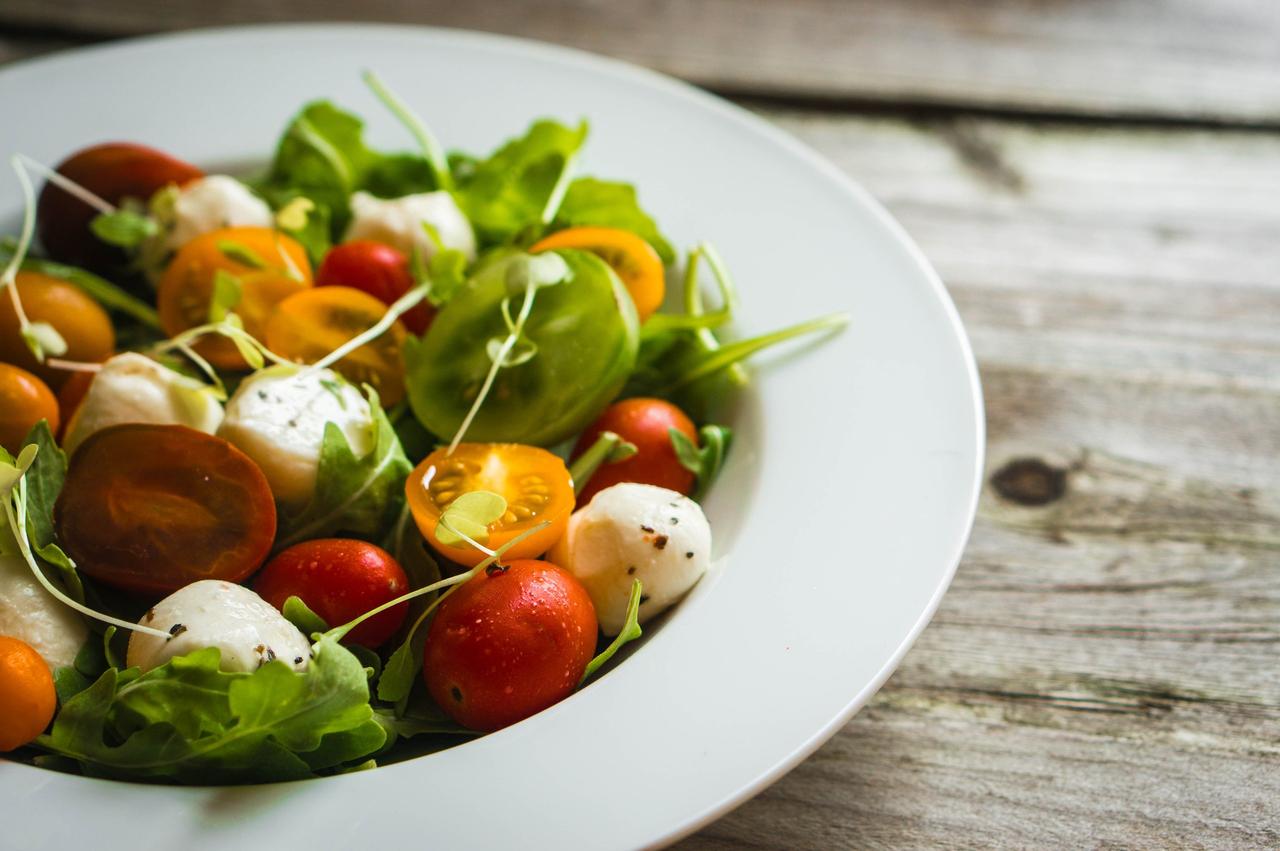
[{"x": 587, "y": 335}]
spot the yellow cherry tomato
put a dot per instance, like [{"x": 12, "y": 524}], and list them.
[
  {"x": 535, "y": 483},
  {"x": 267, "y": 265},
  {"x": 633, "y": 259},
  {"x": 27, "y": 697},
  {"x": 81, "y": 321},
  {"x": 24, "y": 401},
  {"x": 309, "y": 325}
]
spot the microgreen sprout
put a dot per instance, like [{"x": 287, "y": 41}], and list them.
[
  {"x": 398, "y": 308},
  {"x": 695, "y": 318},
  {"x": 467, "y": 519},
  {"x": 293, "y": 215},
  {"x": 40, "y": 337},
  {"x": 556, "y": 198},
  {"x": 431, "y": 150},
  {"x": 630, "y": 632},
  {"x": 13, "y": 493},
  {"x": 703, "y": 461},
  {"x": 608, "y": 448}
]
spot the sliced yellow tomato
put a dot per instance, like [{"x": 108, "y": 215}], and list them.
[
  {"x": 310, "y": 324},
  {"x": 535, "y": 483},
  {"x": 633, "y": 259}
]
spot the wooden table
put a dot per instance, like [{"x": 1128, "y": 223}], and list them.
[{"x": 1098, "y": 182}]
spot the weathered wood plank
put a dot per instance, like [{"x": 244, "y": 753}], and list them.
[
  {"x": 1103, "y": 671},
  {"x": 1164, "y": 58}
]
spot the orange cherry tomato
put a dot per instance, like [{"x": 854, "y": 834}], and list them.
[
  {"x": 24, "y": 401},
  {"x": 509, "y": 643},
  {"x": 73, "y": 391},
  {"x": 635, "y": 261},
  {"x": 535, "y": 483},
  {"x": 152, "y": 508},
  {"x": 257, "y": 257},
  {"x": 27, "y": 697},
  {"x": 81, "y": 321},
  {"x": 309, "y": 325}
]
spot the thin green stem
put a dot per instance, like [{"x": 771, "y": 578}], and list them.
[
  {"x": 401, "y": 306},
  {"x": 607, "y": 448},
  {"x": 431, "y": 149},
  {"x": 556, "y": 198}
]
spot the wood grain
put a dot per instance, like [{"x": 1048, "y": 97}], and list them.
[
  {"x": 1181, "y": 59},
  {"x": 1103, "y": 671}
]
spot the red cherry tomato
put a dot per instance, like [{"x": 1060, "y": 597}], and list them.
[
  {"x": 647, "y": 423},
  {"x": 509, "y": 643},
  {"x": 112, "y": 171},
  {"x": 339, "y": 579},
  {"x": 377, "y": 269},
  {"x": 151, "y": 508}
]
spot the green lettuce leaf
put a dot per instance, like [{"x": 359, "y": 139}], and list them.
[
  {"x": 189, "y": 722},
  {"x": 603, "y": 203},
  {"x": 356, "y": 496},
  {"x": 506, "y": 193},
  {"x": 323, "y": 156}
]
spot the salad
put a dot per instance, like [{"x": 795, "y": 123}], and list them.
[{"x": 344, "y": 461}]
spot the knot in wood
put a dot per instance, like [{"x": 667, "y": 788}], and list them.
[{"x": 1030, "y": 481}]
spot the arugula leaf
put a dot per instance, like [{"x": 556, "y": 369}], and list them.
[
  {"x": 705, "y": 461},
  {"x": 508, "y": 192},
  {"x": 124, "y": 228},
  {"x": 190, "y": 722},
  {"x": 300, "y": 615},
  {"x": 358, "y": 496},
  {"x": 45, "y": 477},
  {"x": 609, "y": 204},
  {"x": 630, "y": 632},
  {"x": 323, "y": 155},
  {"x": 423, "y": 719}
]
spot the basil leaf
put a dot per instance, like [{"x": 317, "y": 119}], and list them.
[
  {"x": 357, "y": 496},
  {"x": 604, "y": 203}
]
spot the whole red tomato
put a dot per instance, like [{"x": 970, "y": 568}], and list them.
[
  {"x": 509, "y": 643},
  {"x": 113, "y": 171},
  {"x": 339, "y": 579},
  {"x": 647, "y": 423},
  {"x": 379, "y": 270}
]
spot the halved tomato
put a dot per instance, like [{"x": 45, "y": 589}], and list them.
[
  {"x": 152, "y": 508},
  {"x": 310, "y": 324},
  {"x": 535, "y": 483},
  {"x": 268, "y": 267},
  {"x": 633, "y": 259}
]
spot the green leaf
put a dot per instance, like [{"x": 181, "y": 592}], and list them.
[
  {"x": 603, "y": 203},
  {"x": 357, "y": 496},
  {"x": 45, "y": 477},
  {"x": 425, "y": 719},
  {"x": 124, "y": 228},
  {"x": 470, "y": 515},
  {"x": 227, "y": 292},
  {"x": 241, "y": 253},
  {"x": 300, "y": 615},
  {"x": 322, "y": 155},
  {"x": 608, "y": 448},
  {"x": 705, "y": 461},
  {"x": 190, "y": 722},
  {"x": 508, "y": 192},
  {"x": 630, "y": 632}
]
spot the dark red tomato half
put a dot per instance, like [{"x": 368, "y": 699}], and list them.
[
  {"x": 377, "y": 269},
  {"x": 509, "y": 643},
  {"x": 113, "y": 171},
  {"x": 339, "y": 579},
  {"x": 647, "y": 423},
  {"x": 152, "y": 508}
]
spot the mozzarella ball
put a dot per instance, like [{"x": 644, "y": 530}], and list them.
[
  {"x": 211, "y": 203},
  {"x": 398, "y": 222},
  {"x": 212, "y": 613},
  {"x": 32, "y": 614},
  {"x": 277, "y": 417},
  {"x": 632, "y": 531},
  {"x": 132, "y": 388}
]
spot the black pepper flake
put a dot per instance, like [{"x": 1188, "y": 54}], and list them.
[
  {"x": 689, "y": 554},
  {"x": 631, "y": 571},
  {"x": 455, "y": 693},
  {"x": 297, "y": 660},
  {"x": 271, "y": 655},
  {"x": 644, "y": 598},
  {"x": 675, "y": 521},
  {"x": 262, "y": 394},
  {"x": 176, "y": 630},
  {"x": 293, "y": 423},
  {"x": 660, "y": 542},
  {"x": 648, "y": 529}
]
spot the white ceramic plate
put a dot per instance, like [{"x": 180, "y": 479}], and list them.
[{"x": 839, "y": 520}]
